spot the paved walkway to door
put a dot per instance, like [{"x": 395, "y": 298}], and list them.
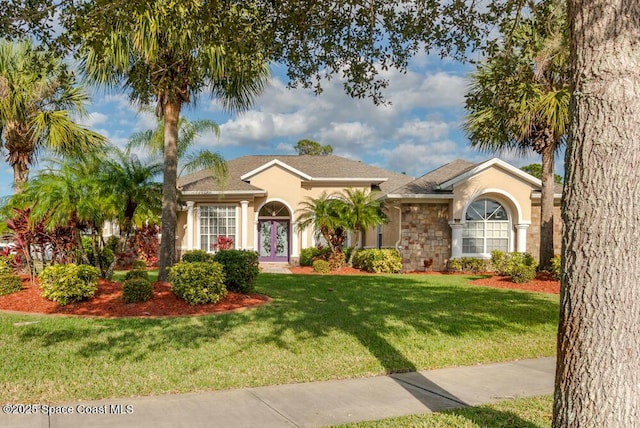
[{"x": 274, "y": 267}]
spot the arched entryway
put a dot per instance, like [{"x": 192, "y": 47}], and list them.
[{"x": 274, "y": 232}]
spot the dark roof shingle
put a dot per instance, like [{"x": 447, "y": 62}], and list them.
[
  {"x": 428, "y": 183},
  {"x": 318, "y": 167}
]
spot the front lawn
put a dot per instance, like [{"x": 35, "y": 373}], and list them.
[
  {"x": 316, "y": 328},
  {"x": 531, "y": 412}
]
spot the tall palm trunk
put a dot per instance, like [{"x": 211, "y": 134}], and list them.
[
  {"x": 546, "y": 207},
  {"x": 18, "y": 144},
  {"x": 171, "y": 112}
]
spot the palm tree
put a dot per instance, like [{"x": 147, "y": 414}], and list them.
[
  {"x": 188, "y": 160},
  {"x": 358, "y": 211},
  {"x": 66, "y": 194},
  {"x": 38, "y": 98},
  {"x": 169, "y": 54},
  {"x": 519, "y": 101},
  {"x": 323, "y": 214},
  {"x": 131, "y": 185}
]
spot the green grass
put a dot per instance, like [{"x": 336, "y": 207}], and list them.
[
  {"x": 534, "y": 412},
  {"x": 316, "y": 328},
  {"x": 118, "y": 275}
]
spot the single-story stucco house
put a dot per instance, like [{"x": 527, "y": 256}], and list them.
[{"x": 461, "y": 209}]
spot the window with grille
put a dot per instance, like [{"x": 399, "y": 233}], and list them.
[
  {"x": 216, "y": 221},
  {"x": 486, "y": 228}
]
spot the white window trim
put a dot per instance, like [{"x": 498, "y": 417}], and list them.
[
  {"x": 510, "y": 237},
  {"x": 197, "y": 222}
]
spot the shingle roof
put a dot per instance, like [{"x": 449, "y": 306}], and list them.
[
  {"x": 427, "y": 184},
  {"x": 327, "y": 167}
]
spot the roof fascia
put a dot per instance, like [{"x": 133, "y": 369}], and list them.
[
  {"x": 269, "y": 164},
  {"x": 448, "y": 185}
]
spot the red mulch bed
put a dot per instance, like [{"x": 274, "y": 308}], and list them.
[
  {"x": 543, "y": 282},
  {"x": 107, "y": 302}
]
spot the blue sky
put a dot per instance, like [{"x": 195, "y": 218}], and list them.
[{"x": 419, "y": 131}]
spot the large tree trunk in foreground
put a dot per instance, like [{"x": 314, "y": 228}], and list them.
[
  {"x": 546, "y": 208},
  {"x": 598, "y": 367},
  {"x": 169, "y": 189}
]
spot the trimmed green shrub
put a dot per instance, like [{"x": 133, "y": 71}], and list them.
[
  {"x": 198, "y": 282},
  {"x": 68, "y": 283},
  {"x": 468, "y": 264},
  {"x": 336, "y": 260},
  {"x": 308, "y": 255},
  {"x": 137, "y": 273},
  {"x": 522, "y": 273},
  {"x": 521, "y": 267},
  {"x": 194, "y": 256},
  {"x": 9, "y": 283},
  {"x": 136, "y": 290},
  {"x": 378, "y": 261},
  {"x": 240, "y": 267},
  {"x": 499, "y": 262},
  {"x": 138, "y": 264},
  {"x": 556, "y": 267},
  {"x": 321, "y": 266}
]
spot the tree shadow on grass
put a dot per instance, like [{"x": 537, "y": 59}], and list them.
[
  {"x": 489, "y": 417},
  {"x": 374, "y": 310}
]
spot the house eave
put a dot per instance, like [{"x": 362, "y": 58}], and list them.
[
  {"x": 416, "y": 196},
  {"x": 448, "y": 185},
  {"x": 348, "y": 179},
  {"x": 224, "y": 192},
  {"x": 279, "y": 163}
]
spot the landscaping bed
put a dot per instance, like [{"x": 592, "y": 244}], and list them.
[
  {"x": 107, "y": 302},
  {"x": 542, "y": 283}
]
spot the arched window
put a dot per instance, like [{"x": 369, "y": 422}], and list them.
[{"x": 486, "y": 228}]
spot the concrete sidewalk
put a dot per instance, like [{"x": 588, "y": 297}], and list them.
[{"x": 308, "y": 404}]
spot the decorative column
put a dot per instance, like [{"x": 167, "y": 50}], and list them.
[
  {"x": 521, "y": 237},
  {"x": 304, "y": 239},
  {"x": 456, "y": 239},
  {"x": 295, "y": 245},
  {"x": 244, "y": 222},
  {"x": 190, "y": 223}
]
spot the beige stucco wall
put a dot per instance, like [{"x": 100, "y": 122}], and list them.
[
  {"x": 205, "y": 200},
  {"x": 514, "y": 193},
  {"x": 281, "y": 185}
]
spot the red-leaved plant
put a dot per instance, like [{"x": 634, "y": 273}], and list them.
[{"x": 145, "y": 243}]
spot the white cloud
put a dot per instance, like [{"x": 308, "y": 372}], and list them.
[
  {"x": 92, "y": 119},
  {"x": 417, "y": 159},
  {"x": 423, "y": 129}
]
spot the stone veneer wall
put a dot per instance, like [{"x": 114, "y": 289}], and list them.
[
  {"x": 533, "y": 232},
  {"x": 425, "y": 234}
]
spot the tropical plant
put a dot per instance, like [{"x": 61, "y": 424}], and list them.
[
  {"x": 188, "y": 160},
  {"x": 131, "y": 184},
  {"x": 519, "y": 101},
  {"x": 322, "y": 213},
  {"x": 169, "y": 54},
  {"x": 359, "y": 210},
  {"x": 145, "y": 243},
  {"x": 66, "y": 195},
  {"x": 40, "y": 96}
]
